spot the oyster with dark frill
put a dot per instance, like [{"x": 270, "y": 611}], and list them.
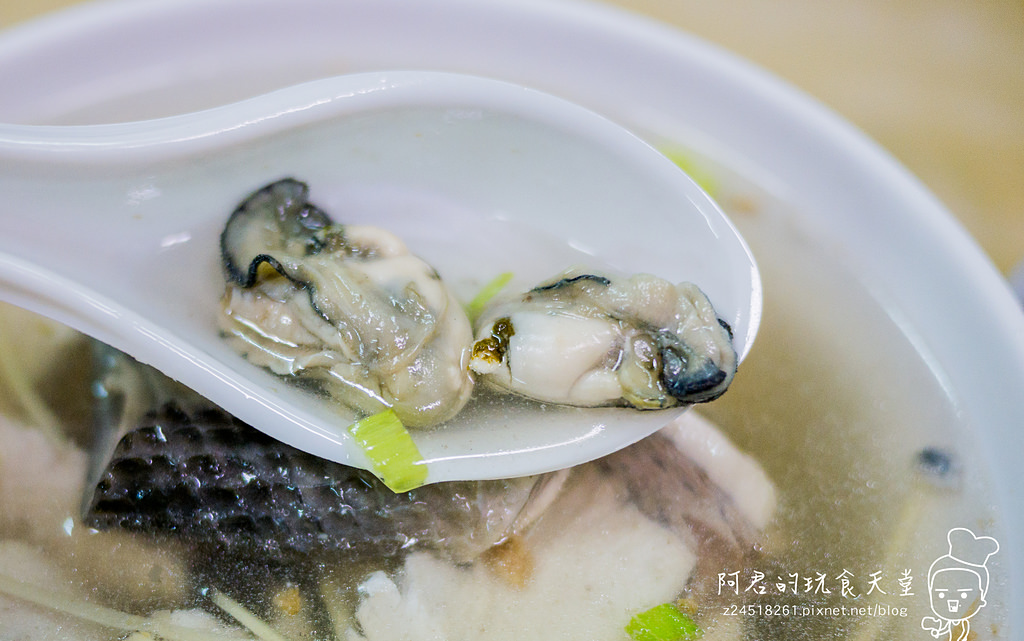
[
  {"x": 346, "y": 307},
  {"x": 590, "y": 340}
]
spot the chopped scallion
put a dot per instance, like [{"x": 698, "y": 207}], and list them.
[
  {"x": 253, "y": 623},
  {"x": 700, "y": 175},
  {"x": 663, "y": 623},
  {"x": 393, "y": 454},
  {"x": 486, "y": 293}
]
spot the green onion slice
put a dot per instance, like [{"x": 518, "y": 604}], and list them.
[
  {"x": 486, "y": 293},
  {"x": 393, "y": 455},
  {"x": 693, "y": 168},
  {"x": 663, "y": 623}
]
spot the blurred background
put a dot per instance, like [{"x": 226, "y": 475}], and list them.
[{"x": 939, "y": 83}]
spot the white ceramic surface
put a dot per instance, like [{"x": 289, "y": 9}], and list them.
[
  {"x": 478, "y": 176},
  {"x": 936, "y": 283}
]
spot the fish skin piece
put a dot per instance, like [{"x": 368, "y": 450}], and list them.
[{"x": 185, "y": 468}]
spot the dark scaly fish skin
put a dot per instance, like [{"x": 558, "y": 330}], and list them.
[
  {"x": 212, "y": 479},
  {"x": 191, "y": 470}
]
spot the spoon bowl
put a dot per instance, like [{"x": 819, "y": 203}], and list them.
[{"x": 113, "y": 230}]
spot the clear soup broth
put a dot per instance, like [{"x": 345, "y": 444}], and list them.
[
  {"x": 872, "y": 467},
  {"x": 842, "y": 408}
]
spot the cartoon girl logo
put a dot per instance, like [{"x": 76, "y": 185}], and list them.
[{"x": 958, "y": 583}]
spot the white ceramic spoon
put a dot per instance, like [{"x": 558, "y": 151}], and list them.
[{"x": 113, "y": 230}]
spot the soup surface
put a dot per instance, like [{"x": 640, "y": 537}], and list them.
[
  {"x": 842, "y": 406},
  {"x": 871, "y": 463}
]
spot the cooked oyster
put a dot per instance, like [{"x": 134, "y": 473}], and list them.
[
  {"x": 347, "y": 307},
  {"x": 589, "y": 340}
]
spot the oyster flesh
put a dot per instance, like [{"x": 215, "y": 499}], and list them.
[
  {"x": 591, "y": 340},
  {"x": 345, "y": 307}
]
